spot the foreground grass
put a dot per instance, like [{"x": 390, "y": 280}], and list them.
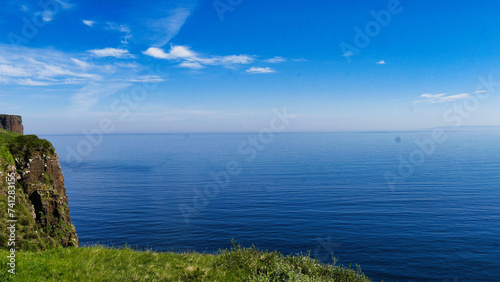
[{"x": 124, "y": 264}]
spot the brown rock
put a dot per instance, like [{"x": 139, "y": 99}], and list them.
[{"x": 12, "y": 123}]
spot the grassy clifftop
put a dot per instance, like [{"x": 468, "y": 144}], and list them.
[{"x": 105, "y": 264}]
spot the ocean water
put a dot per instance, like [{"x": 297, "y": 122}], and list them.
[{"x": 326, "y": 193}]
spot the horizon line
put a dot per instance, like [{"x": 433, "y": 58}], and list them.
[{"x": 447, "y": 128}]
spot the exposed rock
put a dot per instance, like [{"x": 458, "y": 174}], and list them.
[
  {"x": 41, "y": 202},
  {"x": 12, "y": 123}
]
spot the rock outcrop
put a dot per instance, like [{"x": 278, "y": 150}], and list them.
[
  {"x": 12, "y": 123},
  {"x": 41, "y": 207}
]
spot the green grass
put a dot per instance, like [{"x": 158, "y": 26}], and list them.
[
  {"x": 100, "y": 263},
  {"x": 6, "y": 138},
  {"x": 5, "y": 134},
  {"x": 17, "y": 145}
]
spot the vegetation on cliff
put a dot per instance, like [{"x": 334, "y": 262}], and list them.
[
  {"x": 99, "y": 263},
  {"x": 41, "y": 205}
]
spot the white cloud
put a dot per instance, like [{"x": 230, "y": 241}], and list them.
[
  {"x": 30, "y": 82},
  {"x": 166, "y": 28},
  {"x": 432, "y": 96},
  {"x": 190, "y": 59},
  {"x": 111, "y": 52},
  {"x": 146, "y": 78},
  {"x": 191, "y": 65},
  {"x": 236, "y": 59},
  {"x": 121, "y": 28},
  {"x": 65, "y": 5},
  {"x": 156, "y": 53},
  {"x": 82, "y": 64},
  {"x": 454, "y": 97},
  {"x": 48, "y": 16},
  {"x": 260, "y": 70},
  {"x": 39, "y": 68},
  {"x": 48, "y": 71},
  {"x": 44, "y": 67},
  {"x": 34, "y": 73},
  {"x": 177, "y": 52},
  {"x": 24, "y": 67},
  {"x": 88, "y": 23},
  {"x": 276, "y": 60},
  {"x": 128, "y": 65},
  {"x": 348, "y": 54},
  {"x": 381, "y": 62},
  {"x": 441, "y": 98},
  {"x": 13, "y": 71}
]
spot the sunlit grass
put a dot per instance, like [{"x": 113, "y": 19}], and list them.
[{"x": 98, "y": 263}]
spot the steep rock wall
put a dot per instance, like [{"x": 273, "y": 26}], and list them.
[
  {"x": 42, "y": 211},
  {"x": 12, "y": 123}
]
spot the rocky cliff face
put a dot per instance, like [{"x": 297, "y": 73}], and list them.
[
  {"x": 12, "y": 123},
  {"x": 41, "y": 207}
]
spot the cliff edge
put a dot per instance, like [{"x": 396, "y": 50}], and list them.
[
  {"x": 30, "y": 171},
  {"x": 12, "y": 123}
]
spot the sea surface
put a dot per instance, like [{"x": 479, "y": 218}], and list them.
[{"x": 401, "y": 211}]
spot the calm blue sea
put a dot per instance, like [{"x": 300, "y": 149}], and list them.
[{"x": 325, "y": 193}]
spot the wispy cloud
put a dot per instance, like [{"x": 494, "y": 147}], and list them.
[
  {"x": 234, "y": 59},
  {"x": 81, "y": 64},
  {"x": 260, "y": 70},
  {"x": 30, "y": 82},
  {"x": 66, "y": 5},
  {"x": 190, "y": 59},
  {"x": 381, "y": 62},
  {"x": 146, "y": 78},
  {"x": 348, "y": 54},
  {"x": 164, "y": 29},
  {"x": 191, "y": 65},
  {"x": 39, "y": 67},
  {"x": 111, "y": 52},
  {"x": 441, "y": 98},
  {"x": 12, "y": 71},
  {"x": 48, "y": 15},
  {"x": 90, "y": 95},
  {"x": 123, "y": 28},
  {"x": 88, "y": 23},
  {"x": 89, "y": 79},
  {"x": 43, "y": 67},
  {"x": 48, "y": 70},
  {"x": 276, "y": 59}
]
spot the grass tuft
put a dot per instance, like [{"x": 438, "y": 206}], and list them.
[{"x": 99, "y": 263}]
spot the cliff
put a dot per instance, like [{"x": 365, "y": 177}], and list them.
[
  {"x": 12, "y": 123},
  {"x": 30, "y": 167}
]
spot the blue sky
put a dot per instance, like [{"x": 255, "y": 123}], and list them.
[{"x": 223, "y": 66}]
